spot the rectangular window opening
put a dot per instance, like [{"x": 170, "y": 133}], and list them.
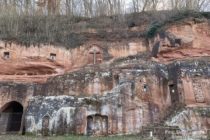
[
  {"x": 52, "y": 56},
  {"x": 178, "y": 41},
  {"x": 174, "y": 96},
  {"x": 116, "y": 79},
  {"x": 6, "y": 55}
]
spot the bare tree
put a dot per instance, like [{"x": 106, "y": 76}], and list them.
[
  {"x": 91, "y": 8},
  {"x": 197, "y": 5},
  {"x": 88, "y": 7}
]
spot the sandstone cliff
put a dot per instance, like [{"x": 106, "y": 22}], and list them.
[{"x": 110, "y": 88}]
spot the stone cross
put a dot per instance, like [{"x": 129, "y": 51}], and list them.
[{"x": 94, "y": 55}]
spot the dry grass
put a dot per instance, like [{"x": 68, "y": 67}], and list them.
[{"x": 72, "y": 32}]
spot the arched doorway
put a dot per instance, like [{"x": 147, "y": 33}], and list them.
[
  {"x": 97, "y": 125},
  {"x": 95, "y": 55},
  {"x": 11, "y": 116},
  {"x": 45, "y": 125},
  {"x": 89, "y": 125}
]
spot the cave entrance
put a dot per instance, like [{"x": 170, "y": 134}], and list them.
[
  {"x": 178, "y": 42},
  {"x": 6, "y": 55},
  {"x": 52, "y": 56},
  {"x": 97, "y": 125},
  {"x": 89, "y": 125},
  {"x": 11, "y": 117},
  {"x": 116, "y": 79},
  {"x": 45, "y": 125},
  {"x": 173, "y": 93}
]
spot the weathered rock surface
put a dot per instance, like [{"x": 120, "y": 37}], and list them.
[
  {"x": 181, "y": 41},
  {"x": 38, "y": 63},
  {"x": 99, "y": 89}
]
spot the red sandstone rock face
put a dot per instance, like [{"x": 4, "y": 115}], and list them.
[
  {"x": 35, "y": 64},
  {"x": 115, "y": 100},
  {"x": 31, "y": 70},
  {"x": 183, "y": 53},
  {"x": 195, "y": 40},
  {"x": 38, "y": 63}
]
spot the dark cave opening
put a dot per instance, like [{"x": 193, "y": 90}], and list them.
[{"x": 11, "y": 117}]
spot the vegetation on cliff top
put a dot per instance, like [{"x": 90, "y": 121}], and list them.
[
  {"x": 72, "y": 31},
  {"x": 32, "y": 22},
  {"x": 158, "y": 26}
]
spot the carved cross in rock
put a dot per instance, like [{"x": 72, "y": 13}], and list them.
[
  {"x": 94, "y": 56},
  {"x": 94, "y": 53}
]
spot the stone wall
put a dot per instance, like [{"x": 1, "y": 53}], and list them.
[
  {"x": 15, "y": 92},
  {"x": 134, "y": 99},
  {"x": 67, "y": 114},
  {"x": 13, "y": 104},
  {"x": 106, "y": 101}
]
